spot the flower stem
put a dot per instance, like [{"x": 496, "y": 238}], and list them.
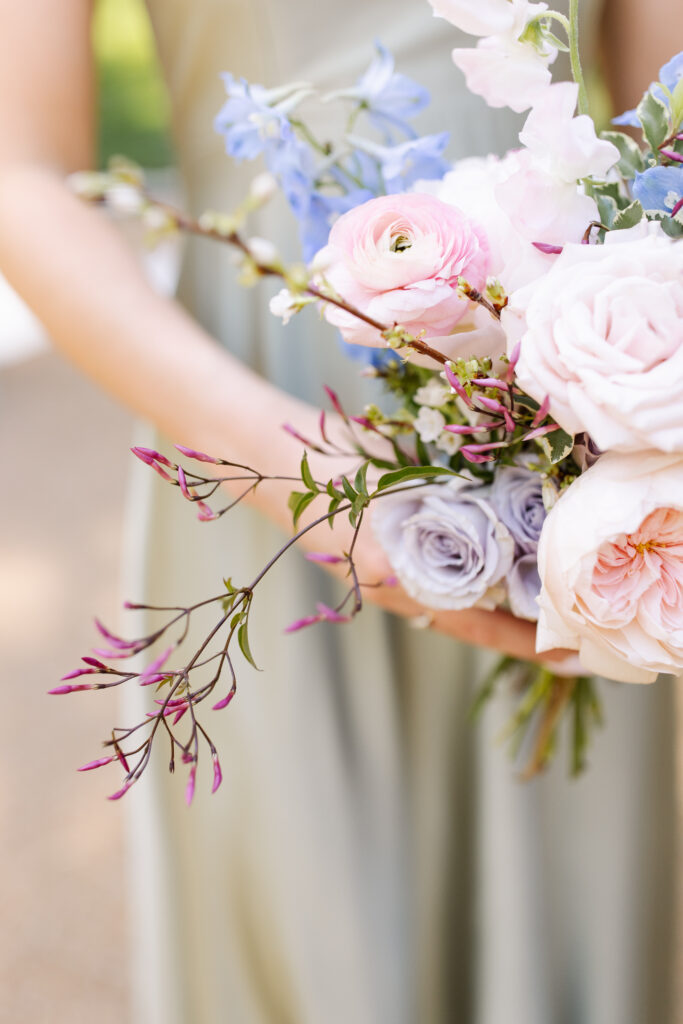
[{"x": 574, "y": 56}]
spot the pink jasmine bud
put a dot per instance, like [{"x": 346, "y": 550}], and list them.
[
  {"x": 80, "y": 672},
  {"x": 189, "y": 789},
  {"x": 182, "y": 481},
  {"x": 179, "y": 714},
  {"x": 122, "y": 758},
  {"x": 116, "y": 641},
  {"x": 514, "y": 359},
  {"x": 225, "y": 701},
  {"x": 542, "y": 412},
  {"x": 670, "y": 154},
  {"x": 334, "y": 399},
  {"x": 457, "y": 387},
  {"x": 330, "y": 614},
  {"x": 466, "y": 428},
  {"x": 95, "y": 663},
  {"x": 490, "y": 382},
  {"x": 320, "y": 556},
  {"x": 217, "y": 773},
  {"x": 550, "y": 250},
  {"x": 309, "y": 620},
  {"x": 96, "y": 764},
  {"x": 289, "y": 429},
  {"x": 321, "y": 427},
  {"x": 190, "y": 453},
  {"x": 145, "y": 677},
  {"x": 541, "y": 431},
  {"x": 204, "y": 513},
  {"x": 149, "y": 455},
  {"x": 679, "y": 205},
  {"x": 493, "y": 406},
  {"x": 59, "y": 690},
  {"x": 119, "y": 793},
  {"x": 363, "y": 421}
]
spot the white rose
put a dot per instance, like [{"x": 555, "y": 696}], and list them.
[
  {"x": 611, "y": 566},
  {"x": 602, "y": 337}
]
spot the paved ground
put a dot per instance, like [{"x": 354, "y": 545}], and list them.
[{"x": 63, "y": 461}]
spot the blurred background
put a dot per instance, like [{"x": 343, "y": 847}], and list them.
[{"x": 63, "y": 954}]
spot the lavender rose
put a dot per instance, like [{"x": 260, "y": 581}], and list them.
[
  {"x": 445, "y": 544},
  {"x": 517, "y": 499}
]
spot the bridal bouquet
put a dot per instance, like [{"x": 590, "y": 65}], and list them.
[{"x": 524, "y": 315}]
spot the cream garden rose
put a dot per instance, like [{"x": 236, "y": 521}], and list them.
[
  {"x": 602, "y": 336},
  {"x": 611, "y": 567}
]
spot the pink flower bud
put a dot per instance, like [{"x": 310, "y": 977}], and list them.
[
  {"x": 189, "y": 789},
  {"x": 334, "y": 399},
  {"x": 204, "y": 513},
  {"x": 289, "y": 429},
  {"x": 179, "y": 714},
  {"x": 59, "y": 690},
  {"x": 80, "y": 672},
  {"x": 182, "y": 481},
  {"x": 466, "y": 428},
  {"x": 123, "y": 760},
  {"x": 96, "y": 764},
  {"x": 147, "y": 674},
  {"x": 119, "y": 793},
  {"x": 95, "y": 663},
  {"x": 542, "y": 412},
  {"x": 328, "y": 614},
  {"x": 320, "y": 556},
  {"x": 550, "y": 250},
  {"x": 217, "y": 774},
  {"x": 225, "y": 701},
  {"x": 190, "y": 453},
  {"x": 309, "y": 620},
  {"x": 457, "y": 387},
  {"x": 149, "y": 455},
  {"x": 490, "y": 382}
]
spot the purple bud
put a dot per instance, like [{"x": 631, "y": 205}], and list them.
[
  {"x": 679, "y": 205},
  {"x": 541, "y": 431},
  {"x": 466, "y": 428},
  {"x": 217, "y": 774},
  {"x": 95, "y": 663},
  {"x": 514, "y": 359},
  {"x": 190, "y": 453},
  {"x": 179, "y": 714},
  {"x": 96, "y": 764},
  {"x": 113, "y": 639},
  {"x": 320, "y": 556},
  {"x": 494, "y": 406},
  {"x": 204, "y": 513},
  {"x": 122, "y": 759},
  {"x": 550, "y": 250},
  {"x": 490, "y": 382},
  {"x": 189, "y": 789},
  {"x": 670, "y": 154}
]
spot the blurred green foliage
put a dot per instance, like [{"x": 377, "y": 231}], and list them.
[{"x": 133, "y": 104}]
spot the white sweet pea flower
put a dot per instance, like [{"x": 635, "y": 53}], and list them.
[
  {"x": 434, "y": 393},
  {"x": 284, "y": 305},
  {"x": 505, "y": 71},
  {"x": 478, "y": 17},
  {"x": 429, "y": 424},
  {"x": 565, "y": 146},
  {"x": 263, "y": 251}
]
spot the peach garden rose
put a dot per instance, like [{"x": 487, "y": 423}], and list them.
[{"x": 611, "y": 566}]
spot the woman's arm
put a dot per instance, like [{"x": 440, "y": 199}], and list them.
[{"x": 75, "y": 271}]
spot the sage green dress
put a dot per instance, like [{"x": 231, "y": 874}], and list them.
[{"x": 371, "y": 857}]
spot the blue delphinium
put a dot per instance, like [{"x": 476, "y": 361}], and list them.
[
  {"x": 659, "y": 188},
  {"x": 253, "y": 119},
  {"x": 402, "y": 165},
  {"x": 389, "y": 97},
  {"x": 669, "y": 77}
]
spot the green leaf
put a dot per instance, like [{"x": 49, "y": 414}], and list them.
[
  {"x": 360, "y": 481},
  {"x": 348, "y": 489},
  {"x": 332, "y": 491},
  {"x": 333, "y": 506},
  {"x": 243, "y": 641},
  {"x": 307, "y": 476},
  {"x": 227, "y": 583},
  {"x": 557, "y": 446},
  {"x": 629, "y": 217},
  {"x": 299, "y": 506},
  {"x": 677, "y": 105},
  {"x": 607, "y": 208},
  {"x": 654, "y": 117},
  {"x": 631, "y": 159},
  {"x": 399, "y": 476}
]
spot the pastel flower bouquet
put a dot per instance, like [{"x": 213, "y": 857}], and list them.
[{"x": 524, "y": 316}]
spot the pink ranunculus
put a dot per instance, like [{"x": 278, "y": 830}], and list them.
[
  {"x": 611, "y": 567},
  {"x": 398, "y": 259},
  {"x": 602, "y": 336}
]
